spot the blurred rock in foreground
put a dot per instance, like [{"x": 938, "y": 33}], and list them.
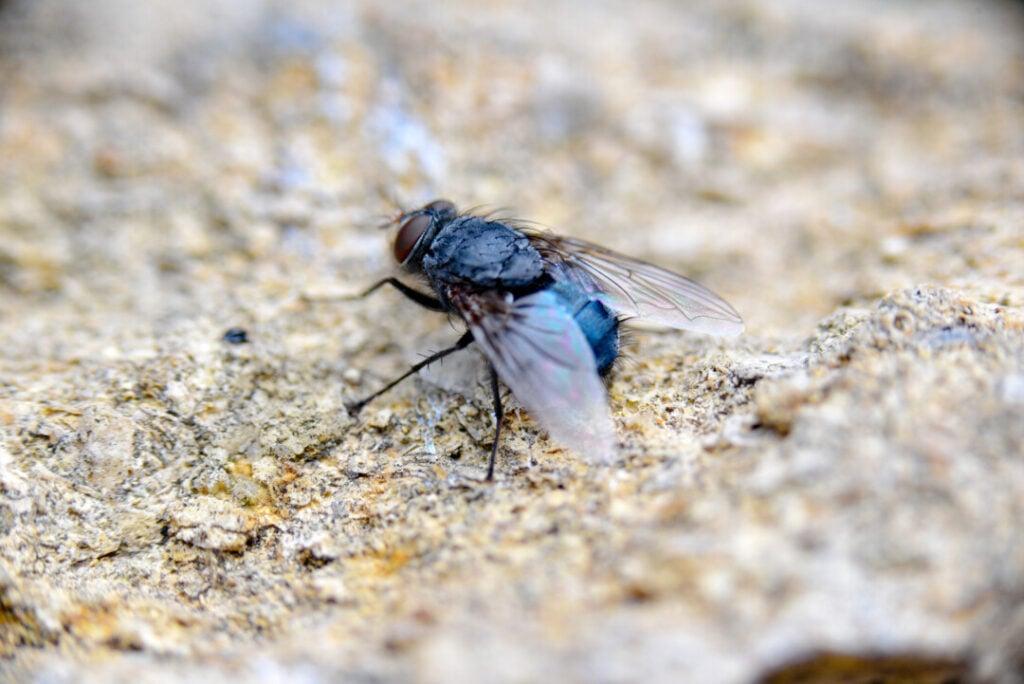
[{"x": 838, "y": 493}]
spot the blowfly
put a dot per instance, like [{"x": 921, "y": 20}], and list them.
[{"x": 545, "y": 310}]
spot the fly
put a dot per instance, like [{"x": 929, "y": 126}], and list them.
[{"x": 545, "y": 310}]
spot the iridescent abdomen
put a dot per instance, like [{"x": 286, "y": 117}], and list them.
[{"x": 599, "y": 324}]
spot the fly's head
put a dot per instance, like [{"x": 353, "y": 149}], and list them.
[{"x": 418, "y": 230}]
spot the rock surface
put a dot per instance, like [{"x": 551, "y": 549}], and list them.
[{"x": 838, "y": 492}]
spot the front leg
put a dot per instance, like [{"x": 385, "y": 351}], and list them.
[{"x": 424, "y": 300}]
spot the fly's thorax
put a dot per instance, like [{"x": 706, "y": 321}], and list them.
[{"x": 485, "y": 254}]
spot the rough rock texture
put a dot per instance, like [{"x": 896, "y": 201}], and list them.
[{"x": 838, "y": 492}]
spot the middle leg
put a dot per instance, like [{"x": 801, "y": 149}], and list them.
[{"x": 462, "y": 343}]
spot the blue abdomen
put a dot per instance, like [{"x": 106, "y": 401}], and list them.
[{"x": 599, "y": 325}]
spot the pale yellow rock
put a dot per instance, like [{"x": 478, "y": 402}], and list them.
[{"x": 835, "y": 494}]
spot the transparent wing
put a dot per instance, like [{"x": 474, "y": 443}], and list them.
[
  {"x": 637, "y": 288},
  {"x": 542, "y": 355}
]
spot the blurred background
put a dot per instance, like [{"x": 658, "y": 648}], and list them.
[
  {"x": 172, "y": 168},
  {"x": 794, "y": 158}
]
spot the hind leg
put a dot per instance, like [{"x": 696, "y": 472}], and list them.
[{"x": 499, "y": 414}]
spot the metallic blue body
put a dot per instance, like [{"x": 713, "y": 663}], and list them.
[
  {"x": 599, "y": 325},
  {"x": 490, "y": 255}
]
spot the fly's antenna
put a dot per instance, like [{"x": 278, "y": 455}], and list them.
[
  {"x": 397, "y": 212},
  {"x": 388, "y": 220}
]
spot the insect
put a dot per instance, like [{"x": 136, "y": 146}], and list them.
[{"x": 545, "y": 310}]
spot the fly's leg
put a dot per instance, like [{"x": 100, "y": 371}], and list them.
[
  {"x": 498, "y": 415},
  {"x": 424, "y": 300},
  {"x": 462, "y": 343}
]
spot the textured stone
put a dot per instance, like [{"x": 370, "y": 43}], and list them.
[{"x": 838, "y": 492}]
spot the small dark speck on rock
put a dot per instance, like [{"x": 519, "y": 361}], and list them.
[{"x": 236, "y": 336}]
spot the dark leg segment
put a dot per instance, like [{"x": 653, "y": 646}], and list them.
[
  {"x": 424, "y": 300},
  {"x": 462, "y": 343},
  {"x": 498, "y": 415}
]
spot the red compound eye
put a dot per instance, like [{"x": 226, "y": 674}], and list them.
[{"x": 409, "y": 234}]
